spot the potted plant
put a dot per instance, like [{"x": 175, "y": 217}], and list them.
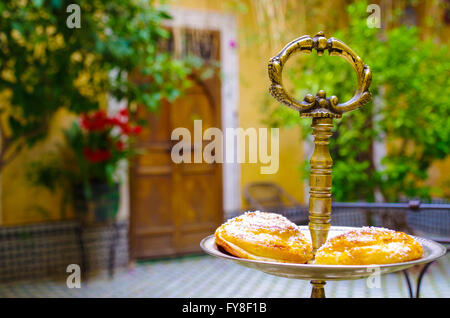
[{"x": 86, "y": 167}]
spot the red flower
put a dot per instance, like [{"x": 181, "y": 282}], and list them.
[
  {"x": 97, "y": 121},
  {"x": 115, "y": 121},
  {"x": 136, "y": 130},
  {"x": 97, "y": 155},
  {"x": 120, "y": 145},
  {"x": 120, "y": 119},
  {"x": 123, "y": 112},
  {"x": 128, "y": 130}
]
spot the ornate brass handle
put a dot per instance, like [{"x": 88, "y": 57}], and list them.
[
  {"x": 323, "y": 110},
  {"x": 320, "y": 106}
]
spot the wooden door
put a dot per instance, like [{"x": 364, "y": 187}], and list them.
[{"x": 173, "y": 206}]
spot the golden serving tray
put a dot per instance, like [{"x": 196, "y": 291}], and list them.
[{"x": 431, "y": 252}]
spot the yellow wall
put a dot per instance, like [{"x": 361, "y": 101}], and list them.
[{"x": 21, "y": 202}]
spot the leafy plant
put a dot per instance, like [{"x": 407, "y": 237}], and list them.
[
  {"x": 410, "y": 108},
  {"x": 45, "y": 65},
  {"x": 93, "y": 150}
]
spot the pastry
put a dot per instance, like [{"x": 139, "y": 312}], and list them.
[
  {"x": 368, "y": 245},
  {"x": 264, "y": 236}
]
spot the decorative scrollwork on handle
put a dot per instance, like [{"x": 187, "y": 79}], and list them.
[{"x": 319, "y": 105}]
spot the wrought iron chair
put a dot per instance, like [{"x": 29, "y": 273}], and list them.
[{"x": 269, "y": 197}]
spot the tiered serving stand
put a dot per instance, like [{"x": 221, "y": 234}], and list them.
[{"x": 322, "y": 110}]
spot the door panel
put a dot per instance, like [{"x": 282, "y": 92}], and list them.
[
  {"x": 196, "y": 107},
  {"x": 158, "y": 125},
  {"x": 163, "y": 245},
  {"x": 198, "y": 194},
  {"x": 173, "y": 206},
  {"x": 152, "y": 195}
]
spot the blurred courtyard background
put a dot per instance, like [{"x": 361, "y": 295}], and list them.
[{"x": 90, "y": 96}]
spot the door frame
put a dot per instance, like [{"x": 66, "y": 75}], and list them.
[{"x": 226, "y": 24}]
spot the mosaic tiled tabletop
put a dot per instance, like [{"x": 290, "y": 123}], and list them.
[{"x": 205, "y": 276}]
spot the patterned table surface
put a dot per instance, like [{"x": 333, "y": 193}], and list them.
[{"x": 205, "y": 276}]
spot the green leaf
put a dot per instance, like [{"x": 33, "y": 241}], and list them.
[{"x": 38, "y": 3}]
